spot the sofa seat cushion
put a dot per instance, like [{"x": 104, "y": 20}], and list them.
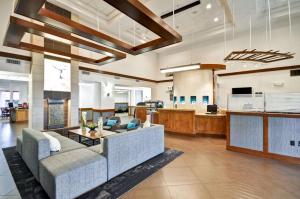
[
  {"x": 97, "y": 148},
  {"x": 70, "y": 174},
  {"x": 52, "y": 133},
  {"x": 67, "y": 145}
]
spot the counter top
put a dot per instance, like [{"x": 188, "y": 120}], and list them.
[
  {"x": 271, "y": 114},
  {"x": 176, "y": 109},
  {"x": 210, "y": 115}
]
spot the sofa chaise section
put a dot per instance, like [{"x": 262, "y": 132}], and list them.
[{"x": 70, "y": 174}]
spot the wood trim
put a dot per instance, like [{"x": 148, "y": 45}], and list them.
[
  {"x": 103, "y": 110},
  {"x": 15, "y": 56},
  {"x": 163, "y": 81},
  {"x": 228, "y": 129},
  {"x": 122, "y": 75},
  {"x": 247, "y": 151},
  {"x": 260, "y": 70},
  {"x": 212, "y": 67},
  {"x": 265, "y": 153}
]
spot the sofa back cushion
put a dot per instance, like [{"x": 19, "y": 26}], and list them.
[
  {"x": 35, "y": 147},
  {"x": 126, "y": 150}
]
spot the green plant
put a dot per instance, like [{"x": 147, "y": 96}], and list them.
[{"x": 92, "y": 126}]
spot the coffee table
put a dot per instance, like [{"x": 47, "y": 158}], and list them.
[{"x": 96, "y": 135}]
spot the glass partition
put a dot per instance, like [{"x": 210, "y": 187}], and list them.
[
  {"x": 267, "y": 102},
  {"x": 282, "y": 102}
]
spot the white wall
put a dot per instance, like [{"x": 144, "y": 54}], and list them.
[
  {"x": 193, "y": 83},
  {"x": 143, "y": 65},
  {"x": 161, "y": 92},
  {"x": 90, "y": 95},
  {"x": 212, "y": 51},
  {"x": 260, "y": 82}
]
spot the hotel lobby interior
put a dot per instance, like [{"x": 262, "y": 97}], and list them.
[{"x": 144, "y": 99}]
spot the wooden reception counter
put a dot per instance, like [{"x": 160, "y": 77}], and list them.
[
  {"x": 270, "y": 135},
  {"x": 188, "y": 121}
]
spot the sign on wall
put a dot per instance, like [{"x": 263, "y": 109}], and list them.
[{"x": 57, "y": 76}]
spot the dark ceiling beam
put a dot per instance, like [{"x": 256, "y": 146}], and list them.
[
  {"x": 122, "y": 75},
  {"x": 181, "y": 9},
  {"x": 18, "y": 27},
  {"x": 132, "y": 8},
  {"x": 15, "y": 56}
]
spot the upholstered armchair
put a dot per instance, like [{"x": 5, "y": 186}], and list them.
[{"x": 111, "y": 126}]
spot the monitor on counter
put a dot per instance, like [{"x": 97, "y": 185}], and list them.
[
  {"x": 242, "y": 90},
  {"x": 212, "y": 108}
]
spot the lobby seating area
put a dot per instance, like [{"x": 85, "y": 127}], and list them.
[
  {"x": 59, "y": 172},
  {"x": 173, "y": 99}
]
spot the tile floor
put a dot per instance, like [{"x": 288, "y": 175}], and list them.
[{"x": 206, "y": 170}]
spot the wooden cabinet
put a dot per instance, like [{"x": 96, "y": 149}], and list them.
[
  {"x": 141, "y": 113},
  {"x": 21, "y": 115},
  {"x": 210, "y": 124},
  {"x": 178, "y": 121}
]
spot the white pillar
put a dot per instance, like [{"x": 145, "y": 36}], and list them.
[{"x": 36, "y": 89}]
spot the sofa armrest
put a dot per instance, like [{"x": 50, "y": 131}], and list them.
[{"x": 35, "y": 147}]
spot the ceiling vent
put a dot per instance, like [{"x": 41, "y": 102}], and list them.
[
  {"x": 85, "y": 73},
  {"x": 13, "y": 61},
  {"x": 295, "y": 72}
]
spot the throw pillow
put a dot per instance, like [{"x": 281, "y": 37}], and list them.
[
  {"x": 111, "y": 122},
  {"x": 54, "y": 143},
  {"x": 130, "y": 125}
]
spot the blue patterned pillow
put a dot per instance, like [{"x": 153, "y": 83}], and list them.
[
  {"x": 111, "y": 122},
  {"x": 130, "y": 125}
]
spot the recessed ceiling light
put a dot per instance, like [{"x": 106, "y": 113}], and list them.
[
  {"x": 216, "y": 19},
  {"x": 208, "y": 6}
]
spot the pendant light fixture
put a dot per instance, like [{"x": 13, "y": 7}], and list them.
[{"x": 260, "y": 55}]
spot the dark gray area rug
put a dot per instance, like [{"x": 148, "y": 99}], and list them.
[{"x": 30, "y": 188}]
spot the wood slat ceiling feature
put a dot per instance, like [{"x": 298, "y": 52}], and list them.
[
  {"x": 258, "y": 56},
  {"x": 134, "y": 9},
  {"x": 18, "y": 27}
]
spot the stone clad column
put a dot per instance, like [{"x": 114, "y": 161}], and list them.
[
  {"x": 74, "y": 103},
  {"x": 36, "y": 88}
]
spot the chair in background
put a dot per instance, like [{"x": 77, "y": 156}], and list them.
[
  {"x": 111, "y": 126},
  {"x": 132, "y": 125}
]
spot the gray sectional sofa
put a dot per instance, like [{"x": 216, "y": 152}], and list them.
[{"x": 77, "y": 169}]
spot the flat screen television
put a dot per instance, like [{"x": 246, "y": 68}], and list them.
[{"x": 242, "y": 90}]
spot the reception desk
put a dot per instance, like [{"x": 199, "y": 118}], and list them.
[
  {"x": 271, "y": 135},
  {"x": 19, "y": 115},
  {"x": 188, "y": 121}
]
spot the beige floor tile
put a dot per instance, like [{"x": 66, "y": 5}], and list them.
[
  {"x": 148, "y": 193},
  {"x": 179, "y": 176},
  {"x": 195, "y": 191}
]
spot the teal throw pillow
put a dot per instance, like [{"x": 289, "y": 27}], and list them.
[
  {"x": 111, "y": 122},
  {"x": 130, "y": 125}
]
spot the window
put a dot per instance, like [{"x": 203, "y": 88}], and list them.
[
  {"x": 4, "y": 98},
  {"x": 16, "y": 95}
]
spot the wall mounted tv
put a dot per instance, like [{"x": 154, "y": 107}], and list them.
[{"x": 242, "y": 90}]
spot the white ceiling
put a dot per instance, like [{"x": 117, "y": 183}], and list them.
[{"x": 194, "y": 21}]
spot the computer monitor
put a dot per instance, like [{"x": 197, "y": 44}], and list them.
[
  {"x": 212, "y": 108},
  {"x": 10, "y": 104}
]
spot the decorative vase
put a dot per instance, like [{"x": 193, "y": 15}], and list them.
[
  {"x": 83, "y": 119},
  {"x": 100, "y": 123},
  {"x": 147, "y": 122}
]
